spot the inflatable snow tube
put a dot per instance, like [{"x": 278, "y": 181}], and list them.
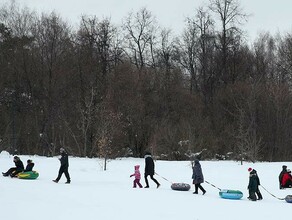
[
  {"x": 32, "y": 175},
  {"x": 180, "y": 186},
  {"x": 288, "y": 198},
  {"x": 230, "y": 194}
]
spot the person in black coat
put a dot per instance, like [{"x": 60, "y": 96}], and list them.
[
  {"x": 64, "y": 167},
  {"x": 252, "y": 185},
  {"x": 197, "y": 177},
  {"x": 149, "y": 169},
  {"x": 284, "y": 170},
  {"x": 29, "y": 166},
  {"x": 13, "y": 171}
]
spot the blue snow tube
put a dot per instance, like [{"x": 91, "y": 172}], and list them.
[
  {"x": 230, "y": 194},
  {"x": 288, "y": 198}
]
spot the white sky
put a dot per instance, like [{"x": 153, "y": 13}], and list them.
[{"x": 267, "y": 15}]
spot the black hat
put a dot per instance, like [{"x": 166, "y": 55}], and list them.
[
  {"x": 284, "y": 166},
  {"x": 29, "y": 161}
]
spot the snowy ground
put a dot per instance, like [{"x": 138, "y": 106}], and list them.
[{"x": 108, "y": 195}]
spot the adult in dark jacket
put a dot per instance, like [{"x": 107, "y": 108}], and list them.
[
  {"x": 149, "y": 169},
  {"x": 64, "y": 167},
  {"x": 284, "y": 170},
  {"x": 29, "y": 166},
  {"x": 13, "y": 171},
  {"x": 252, "y": 185},
  {"x": 197, "y": 177}
]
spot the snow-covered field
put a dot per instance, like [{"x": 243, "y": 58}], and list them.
[{"x": 108, "y": 195}]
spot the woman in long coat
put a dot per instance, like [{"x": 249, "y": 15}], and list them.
[{"x": 198, "y": 177}]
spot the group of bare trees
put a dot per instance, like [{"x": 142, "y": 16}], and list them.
[{"x": 110, "y": 90}]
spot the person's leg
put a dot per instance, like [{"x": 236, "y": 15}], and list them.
[
  {"x": 11, "y": 170},
  {"x": 259, "y": 195},
  {"x": 67, "y": 175},
  {"x": 135, "y": 183},
  {"x": 196, "y": 188},
  {"x": 15, "y": 172},
  {"x": 252, "y": 195},
  {"x": 155, "y": 181},
  {"x": 139, "y": 184},
  {"x": 201, "y": 188},
  {"x": 61, "y": 171},
  {"x": 146, "y": 181}
]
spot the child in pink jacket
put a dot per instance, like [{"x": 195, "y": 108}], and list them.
[{"x": 137, "y": 177}]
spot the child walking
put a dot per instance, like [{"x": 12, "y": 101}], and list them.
[{"x": 137, "y": 177}]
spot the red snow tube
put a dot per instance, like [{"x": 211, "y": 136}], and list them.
[{"x": 180, "y": 186}]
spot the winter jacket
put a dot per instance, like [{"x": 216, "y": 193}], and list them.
[
  {"x": 253, "y": 182},
  {"x": 149, "y": 165},
  {"x": 64, "y": 160},
  {"x": 19, "y": 165},
  {"x": 286, "y": 177},
  {"x": 284, "y": 170},
  {"x": 29, "y": 167},
  {"x": 257, "y": 177},
  {"x": 197, "y": 173},
  {"x": 137, "y": 173}
]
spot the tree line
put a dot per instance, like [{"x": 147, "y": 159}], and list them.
[{"x": 102, "y": 89}]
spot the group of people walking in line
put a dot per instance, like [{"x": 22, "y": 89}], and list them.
[
  {"x": 19, "y": 167},
  {"x": 285, "y": 178}
]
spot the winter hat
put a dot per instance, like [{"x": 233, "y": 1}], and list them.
[
  {"x": 29, "y": 161},
  {"x": 284, "y": 167},
  {"x": 137, "y": 167},
  {"x": 249, "y": 169}
]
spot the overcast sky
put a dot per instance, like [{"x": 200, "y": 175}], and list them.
[{"x": 266, "y": 15}]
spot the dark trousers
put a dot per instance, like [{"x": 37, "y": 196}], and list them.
[
  {"x": 198, "y": 186},
  {"x": 259, "y": 195},
  {"x": 137, "y": 182},
  {"x": 252, "y": 195},
  {"x": 13, "y": 171},
  {"x": 151, "y": 176},
  {"x": 65, "y": 171}
]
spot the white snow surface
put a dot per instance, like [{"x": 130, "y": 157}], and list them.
[{"x": 108, "y": 195}]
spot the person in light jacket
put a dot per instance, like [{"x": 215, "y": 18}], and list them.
[{"x": 197, "y": 177}]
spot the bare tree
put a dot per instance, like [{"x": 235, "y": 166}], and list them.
[
  {"x": 231, "y": 15},
  {"x": 140, "y": 33}
]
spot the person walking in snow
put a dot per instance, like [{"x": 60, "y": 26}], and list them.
[
  {"x": 197, "y": 177},
  {"x": 64, "y": 167},
  {"x": 258, "y": 193},
  {"x": 13, "y": 171},
  {"x": 287, "y": 180},
  {"x": 149, "y": 169},
  {"x": 284, "y": 170},
  {"x": 137, "y": 177},
  {"x": 252, "y": 185}
]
